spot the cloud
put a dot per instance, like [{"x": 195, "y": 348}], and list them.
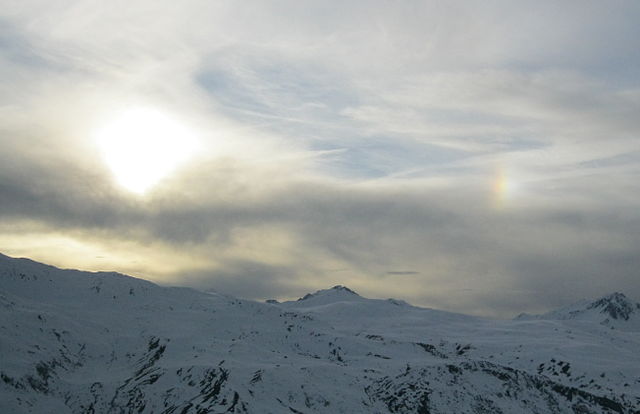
[
  {"x": 285, "y": 242},
  {"x": 247, "y": 279},
  {"x": 473, "y": 156}
]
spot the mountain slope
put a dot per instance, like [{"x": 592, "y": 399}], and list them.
[
  {"x": 78, "y": 342},
  {"x": 614, "y": 310}
]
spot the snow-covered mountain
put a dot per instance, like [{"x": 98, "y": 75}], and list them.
[
  {"x": 614, "y": 310},
  {"x": 79, "y": 342}
]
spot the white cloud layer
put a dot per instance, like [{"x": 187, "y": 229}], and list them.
[{"x": 479, "y": 156}]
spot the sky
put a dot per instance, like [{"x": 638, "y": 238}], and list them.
[{"x": 472, "y": 156}]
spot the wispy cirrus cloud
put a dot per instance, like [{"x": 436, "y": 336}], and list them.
[{"x": 475, "y": 156}]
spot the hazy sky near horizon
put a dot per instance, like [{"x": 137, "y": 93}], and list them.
[{"x": 474, "y": 156}]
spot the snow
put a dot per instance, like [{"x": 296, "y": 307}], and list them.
[
  {"x": 74, "y": 342},
  {"x": 615, "y": 311}
]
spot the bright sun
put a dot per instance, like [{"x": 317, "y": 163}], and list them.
[{"x": 141, "y": 146}]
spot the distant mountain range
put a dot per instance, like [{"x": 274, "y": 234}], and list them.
[
  {"x": 614, "y": 310},
  {"x": 80, "y": 342}
]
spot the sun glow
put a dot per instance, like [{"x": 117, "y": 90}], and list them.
[
  {"x": 504, "y": 188},
  {"x": 142, "y": 146}
]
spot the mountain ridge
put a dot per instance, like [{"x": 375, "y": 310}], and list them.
[
  {"x": 79, "y": 342},
  {"x": 613, "y": 310},
  {"x": 334, "y": 289}
]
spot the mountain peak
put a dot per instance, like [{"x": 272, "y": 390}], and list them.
[
  {"x": 337, "y": 290},
  {"x": 341, "y": 288},
  {"x": 616, "y": 306},
  {"x": 608, "y": 310}
]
